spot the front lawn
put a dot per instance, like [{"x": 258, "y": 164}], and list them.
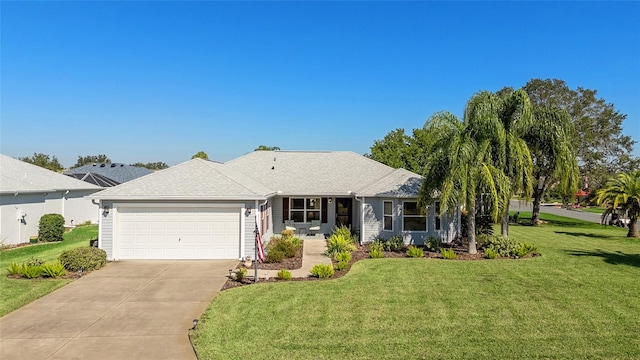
[
  {"x": 578, "y": 300},
  {"x": 19, "y": 292}
]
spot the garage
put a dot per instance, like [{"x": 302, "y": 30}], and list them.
[{"x": 178, "y": 233}]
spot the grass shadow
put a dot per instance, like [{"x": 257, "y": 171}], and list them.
[
  {"x": 614, "y": 258},
  {"x": 590, "y": 235}
]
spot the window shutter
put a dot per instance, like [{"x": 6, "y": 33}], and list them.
[
  {"x": 285, "y": 209},
  {"x": 325, "y": 205}
]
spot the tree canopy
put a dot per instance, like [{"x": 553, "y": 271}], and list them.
[
  {"x": 623, "y": 192},
  {"x": 91, "y": 159},
  {"x": 266, "y": 148},
  {"x": 43, "y": 160},
  {"x": 152, "y": 165},
  {"x": 201, "y": 155}
]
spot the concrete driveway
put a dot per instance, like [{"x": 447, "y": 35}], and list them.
[{"x": 127, "y": 310}]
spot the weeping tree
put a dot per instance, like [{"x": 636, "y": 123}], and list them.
[
  {"x": 623, "y": 192},
  {"x": 550, "y": 141},
  {"x": 503, "y": 120},
  {"x": 459, "y": 169}
]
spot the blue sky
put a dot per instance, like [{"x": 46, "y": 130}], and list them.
[{"x": 159, "y": 81}]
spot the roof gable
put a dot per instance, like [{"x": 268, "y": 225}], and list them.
[
  {"x": 117, "y": 172},
  {"x": 19, "y": 176}
]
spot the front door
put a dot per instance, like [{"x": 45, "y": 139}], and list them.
[{"x": 343, "y": 212}]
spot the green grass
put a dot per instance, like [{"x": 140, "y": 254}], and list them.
[
  {"x": 580, "y": 299},
  {"x": 19, "y": 292},
  {"x": 595, "y": 210}
]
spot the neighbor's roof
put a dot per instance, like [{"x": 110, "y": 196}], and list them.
[
  {"x": 331, "y": 173},
  {"x": 117, "y": 172},
  {"x": 196, "y": 179},
  {"x": 17, "y": 176}
]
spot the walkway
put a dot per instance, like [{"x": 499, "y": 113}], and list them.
[
  {"x": 312, "y": 254},
  {"x": 127, "y": 310},
  {"x": 517, "y": 205}
]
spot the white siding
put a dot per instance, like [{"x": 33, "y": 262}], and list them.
[{"x": 13, "y": 231}]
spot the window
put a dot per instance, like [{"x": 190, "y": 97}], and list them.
[
  {"x": 388, "y": 215},
  {"x": 412, "y": 220},
  {"x": 305, "y": 209},
  {"x": 437, "y": 215},
  {"x": 264, "y": 217}
]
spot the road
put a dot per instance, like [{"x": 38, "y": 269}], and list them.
[{"x": 517, "y": 205}]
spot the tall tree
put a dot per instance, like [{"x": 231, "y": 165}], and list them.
[
  {"x": 623, "y": 191},
  {"x": 43, "y": 160},
  {"x": 460, "y": 168},
  {"x": 600, "y": 146},
  {"x": 201, "y": 155},
  {"x": 91, "y": 159},
  {"x": 395, "y": 150},
  {"x": 266, "y": 148},
  {"x": 152, "y": 165},
  {"x": 503, "y": 119},
  {"x": 550, "y": 141}
]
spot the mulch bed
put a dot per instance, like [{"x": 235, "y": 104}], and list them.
[{"x": 361, "y": 252}]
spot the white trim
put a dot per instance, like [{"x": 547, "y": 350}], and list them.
[
  {"x": 426, "y": 218},
  {"x": 305, "y": 210},
  {"x": 177, "y": 205},
  {"x": 384, "y": 215}
]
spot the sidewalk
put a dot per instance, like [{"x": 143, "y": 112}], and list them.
[{"x": 312, "y": 254}]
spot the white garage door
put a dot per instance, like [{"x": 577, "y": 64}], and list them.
[{"x": 179, "y": 233}]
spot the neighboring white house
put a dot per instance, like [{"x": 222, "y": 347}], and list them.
[
  {"x": 28, "y": 191},
  {"x": 208, "y": 210}
]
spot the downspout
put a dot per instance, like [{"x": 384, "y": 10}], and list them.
[
  {"x": 361, "y": 217},
  {"x": 93, "y": 201}
]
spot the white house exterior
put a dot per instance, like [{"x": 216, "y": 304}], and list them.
[
  {"x": 27, "y": 192},
  {"x": 207, "y": 210}
]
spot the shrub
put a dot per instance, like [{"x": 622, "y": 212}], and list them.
[
  {"x": 345, "y": 232},
  {"x": 284, "y": 274},
  {"x": 339, "y": 243},
  {"x": 448, "y": 254},
  {"x": 274, "y": 256},
  {"x": 394, "y": 243},
  {"x": 342, "y": 256},
  {"x": 31, "y": 271},
  {"x": 241, "y": 274},
  {"x": 490, "y": 253},
  {"x": 33, "y": 261},
  {"x": 14, "y": 269},
  {"x": 433, "y": 244},
  {"x": 51, "y": 227},
  {"x": 524, "y": 248},
  {"x": 504, "y": 246},
  {"x": 287, "y": 233},
  {"x": 322, "y": 271},
  {"x": 53, "y": 270},
  {"x": 287, "y": 245},
  {"x": 415, "y": 252},
  {"x": 376, "y": 254},
  {"x": 341, "y": 265},
  {"x": 83, "y": 258},
  {"x": 295, "y": 241}
]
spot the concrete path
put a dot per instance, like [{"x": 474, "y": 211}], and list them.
[
  {"x": 127, "y": 310},
  {"x": 516, "y": 205},
  {"x": 312, "y": 254}
]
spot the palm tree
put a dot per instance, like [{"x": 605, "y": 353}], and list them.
[
  {"x": 460, "y": 168},
  {"x": 549, "y": 139},
  {"x": 503, "y": 120},
  {"x": 623, "y": 192}
]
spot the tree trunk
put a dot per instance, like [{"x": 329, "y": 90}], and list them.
[
  {"x": 537, "y": 199},
  {"x": 471, "y": 228},
  {"x": 504, "y": 227},
  {"x": 633, "y": 227}
]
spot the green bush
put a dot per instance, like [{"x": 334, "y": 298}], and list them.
[
  {"x": 342, "y": 256},
  {"x": 376, "y": 253},
  {"x": 287, "y": 233},
  {"x": 339, "y": 243},
  {"x": 433, "y": 243},
  {"x": 31, "y": 271},
  {"x": 394, "y": 243},
  {"x": 287, "y": 245},
  {"x": 51, "y": 227},
  {"x": 341, "y": 265},
  {"x": 322, "y": 271},
  {"x": 33, "y": 261},
  {"x": 284, "y": 274},
  {"x": 14, "y": 269},
  {"x": 53, "y": 270},
  {"x": 523, "y": 249},
  {"x": 448, "y": 254},
  {"x": 503, "y": 245},
  {"x": 415, "y": 252},
  {"x": 274, "y": 256},
  {"x": 83, "y": 258},
  {"x": 241, "y": 274},
  {"x": 490, "y": 253},
  {"x": 344, "y": 232}
]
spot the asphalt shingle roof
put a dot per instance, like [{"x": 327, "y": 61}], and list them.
[
  {"x": 120, "y": 173},
  {"x": 19, "y": 176}
]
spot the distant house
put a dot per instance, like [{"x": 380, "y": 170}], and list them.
[
  {"x": 107, "y": 174},
  {"x": 208, "y": 210},
  {"x": 28, "y": 191}
]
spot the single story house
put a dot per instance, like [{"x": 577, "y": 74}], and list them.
[
  {"x": 28, "y": 191},
  {"x": 107, "y": 174},
  {"x": 202, "y": 209}
]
